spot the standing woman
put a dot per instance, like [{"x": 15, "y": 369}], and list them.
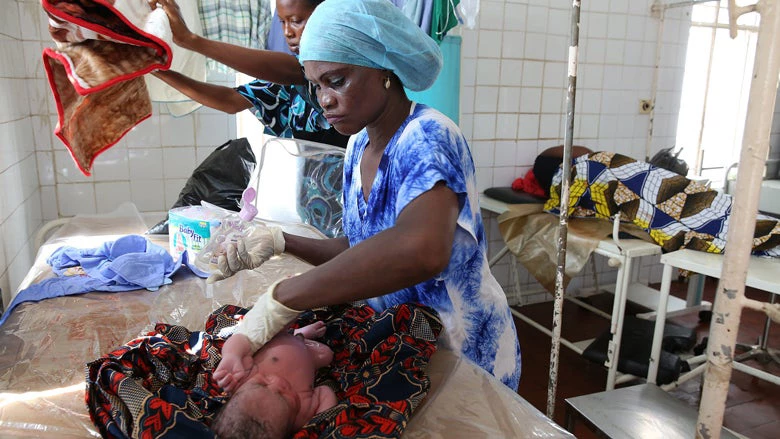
[
  {"x": 283, "y": 100},
  {"x": 411, "y": 214}
]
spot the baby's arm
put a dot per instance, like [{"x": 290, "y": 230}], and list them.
[
  {"x": 325, "y": 398},
  {"x": 321, "y": 354}
]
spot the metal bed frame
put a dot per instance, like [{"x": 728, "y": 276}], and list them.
[{"x": 621, "y": 254}]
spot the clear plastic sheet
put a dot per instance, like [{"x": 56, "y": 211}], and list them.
[
  {"x": 44, "y": 347},
  {"x": 300, "y": 182}
]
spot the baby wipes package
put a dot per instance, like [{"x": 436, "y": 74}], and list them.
[{"x": 191, "y": 228}]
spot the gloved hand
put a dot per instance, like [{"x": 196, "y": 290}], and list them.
[
  {"x": 249, "y": 253},
  {"x": 258, "y": 326}
]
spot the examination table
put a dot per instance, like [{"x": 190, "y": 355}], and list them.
[{"x": 44, "y": 347}]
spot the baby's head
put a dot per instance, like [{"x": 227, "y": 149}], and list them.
[
  {"x": 276, "y": 396},
  {"x": 263, "y": 407}
]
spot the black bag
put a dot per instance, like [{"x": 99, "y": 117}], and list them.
[
  {"x": 668, "y": 160},
  {"x": 219, "y": 180}
]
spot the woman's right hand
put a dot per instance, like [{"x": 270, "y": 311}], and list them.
[
  {"x": 182, "y": 35},
  {"x": 249, "y": 252}
]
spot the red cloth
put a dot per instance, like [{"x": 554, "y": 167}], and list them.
[
  {"x": 529, "y": 184},
  {"x": 104, "y": 48}
]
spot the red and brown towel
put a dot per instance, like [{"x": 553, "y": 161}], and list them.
[{"x": 104, "y": 47}]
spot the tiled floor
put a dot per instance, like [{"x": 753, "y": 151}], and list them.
[{"x": 752, "y": 407}]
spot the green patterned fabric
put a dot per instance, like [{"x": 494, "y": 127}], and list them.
[{"x": 240, "y": 22}]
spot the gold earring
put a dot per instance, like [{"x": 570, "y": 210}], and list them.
[{"x": 387, "y": 83}]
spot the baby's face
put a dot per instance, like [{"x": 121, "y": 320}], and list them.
[
  {"x": 281, "y": 379},
  {"x": 282, "y": 374},
  {"x": 270, "y": 398}
]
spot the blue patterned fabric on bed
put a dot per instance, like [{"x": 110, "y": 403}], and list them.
[{"x": 675, "y": 211}]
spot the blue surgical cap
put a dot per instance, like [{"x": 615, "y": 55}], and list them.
[{"x": 371, "y": 33}]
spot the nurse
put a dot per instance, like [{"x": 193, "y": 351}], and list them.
[{"x": 412, "y": 224}]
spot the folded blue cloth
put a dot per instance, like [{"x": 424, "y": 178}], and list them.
[{"x": 129, "y": 263}]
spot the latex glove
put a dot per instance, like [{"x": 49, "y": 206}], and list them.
[
  {"x": 249, "y": 253},
  {"x": 267, "y": 318}
]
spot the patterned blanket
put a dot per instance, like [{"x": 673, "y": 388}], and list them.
[
  {"x": 675, "y": 211},
  {"x": 379, "y": 369},
  {"x": 104, "y": 47},
  {"x": 161, "y": 385}
]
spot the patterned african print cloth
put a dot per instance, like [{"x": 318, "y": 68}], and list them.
[
  {"x": 675, "y": 211},
  {"x": 241, "y": 22},
  {"x": 319, "y": 200},
  {"x": 161, "y": 385},
  {"x": 379, "y": 369},
  {"x": 284, "y": 109}
]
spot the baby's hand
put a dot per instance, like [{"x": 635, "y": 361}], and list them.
[
  {"x": 236, "y": 362},
  {"x": 315, "y": 330}
]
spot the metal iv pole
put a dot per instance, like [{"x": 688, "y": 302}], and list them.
[{"x": 563, "y": 224}]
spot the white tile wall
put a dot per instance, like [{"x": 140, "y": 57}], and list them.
[
  {"x": 525, "y": 81},
  {"x": 513, "y": 78},
  {"x": 20, "y": 202},
  {"x": 148, "y": 166}
]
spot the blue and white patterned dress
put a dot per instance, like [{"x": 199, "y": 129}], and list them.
[{"x": 426, "y": 149}]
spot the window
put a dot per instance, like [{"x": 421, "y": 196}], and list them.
[{"x": 715, "y": 90}]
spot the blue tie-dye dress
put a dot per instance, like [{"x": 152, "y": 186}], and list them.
[{"x": 426, "y": 149}]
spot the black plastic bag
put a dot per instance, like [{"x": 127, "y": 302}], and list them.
[
  {"x": 667, "y": 159},
  {"x": 219, "y": 180}
]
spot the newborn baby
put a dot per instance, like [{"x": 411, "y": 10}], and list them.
[{"x": 276, "y": 396}]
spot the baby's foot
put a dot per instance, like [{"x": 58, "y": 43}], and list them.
[{"x": 315, "y": 330}]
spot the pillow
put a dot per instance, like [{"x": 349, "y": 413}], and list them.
[{"x": 511, "y": 196}]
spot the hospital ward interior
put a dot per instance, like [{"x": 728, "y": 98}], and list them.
[{"x": 390, "y": 218}]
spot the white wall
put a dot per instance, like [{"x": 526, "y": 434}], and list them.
[
  {"x": 512, "y": 106},
  {"x": 148, "y": 166},
  {"x": 513, "y": 88},
  {"x": 20, "y": 124}
]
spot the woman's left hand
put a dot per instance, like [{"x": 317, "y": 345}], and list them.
[{"x": 182, "y": 35}]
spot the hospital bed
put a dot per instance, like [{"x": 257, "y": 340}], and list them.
[
  {"x": 44, "y": 346},
  {"x": 621, "y": 254}
]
